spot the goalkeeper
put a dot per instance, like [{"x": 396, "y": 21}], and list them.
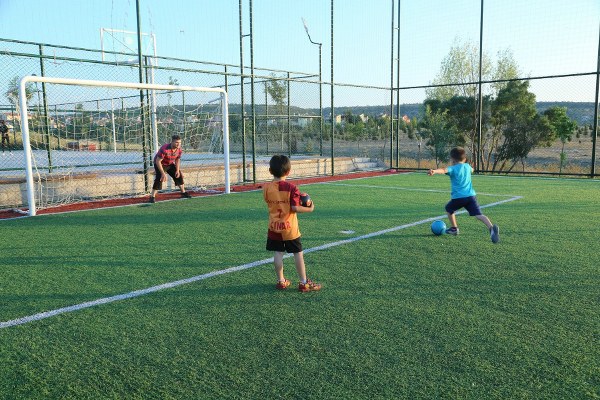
[{"x": 167, "y": 161}]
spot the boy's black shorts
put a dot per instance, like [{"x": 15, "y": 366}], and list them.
[
  {"x": 469, "y": 203},
  {"x": 290, "y": 246}
]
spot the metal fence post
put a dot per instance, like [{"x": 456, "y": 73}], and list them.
[
  {"x": 243, "y": 117},
  {"x": 478, "y": 156},
  {"x": 45, "y": 116},
  {"x": 12, "y": 116},
  {"x": 398, "y": 91},
  {"x": 142, "y": 105},
  {"x": 332, "y": 103},
  {"x": 123, "y": 113},
  {"x": 183, "y": 110},
  {"x": 595, "y": 128},
  {"x": 289, "y": 132},
  {"x": 57, "y": 127},
  {"x": 392, "y": 90},
  {"x": 253, "y": 105},
  {"x": 320, "y": 102},
  {"x": 267, "y": 116}
]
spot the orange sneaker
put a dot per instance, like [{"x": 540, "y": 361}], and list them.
[
  {"x": 281, "y": 285},
  {"x": 309, "y": 286}
]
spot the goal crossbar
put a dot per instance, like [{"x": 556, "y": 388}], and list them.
[{"x": 125, "y": 85}]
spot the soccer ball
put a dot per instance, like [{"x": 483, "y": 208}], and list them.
[
  {"x": 438, "y": 227},
  {"x": 305, "y": 200}
]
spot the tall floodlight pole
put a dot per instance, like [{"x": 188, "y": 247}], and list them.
[
  {"x": 142, "y": 102},
  {"x": 320, "y": 87}
]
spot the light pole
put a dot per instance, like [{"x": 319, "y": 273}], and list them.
[{"x": 320, "y": 89}]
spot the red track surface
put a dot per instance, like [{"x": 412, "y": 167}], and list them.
[{"x": 90, "y": 205}]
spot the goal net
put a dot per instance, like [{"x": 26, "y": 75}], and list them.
[{"x": 93, "y": 140}]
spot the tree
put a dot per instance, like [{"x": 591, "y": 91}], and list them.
[
  {"x": 414, "y": 133},
  {"x": 563, "y": 127},
  {"x": 506, "y": 68},
  {"x": 12, "y": 92},
  {"x": 79, "y": 125},
  {"x": 172, "y": 82},
  {"x": 278, "y": 91},
  {"x": 460, "y": 68},
  {"x": 517, "y": 125},
  {"x": 440, "y": 134},
  {"x": 460, "y": 114}
]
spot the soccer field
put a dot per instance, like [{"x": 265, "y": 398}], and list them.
[{"x": 402, "y": 313}]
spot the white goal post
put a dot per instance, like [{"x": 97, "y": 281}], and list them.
[{"x": 27, "y": 149}]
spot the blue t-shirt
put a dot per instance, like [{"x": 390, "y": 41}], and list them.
[{"x": 460, "y": 180}]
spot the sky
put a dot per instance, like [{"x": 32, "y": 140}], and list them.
[{"x": 546, "y": 37}]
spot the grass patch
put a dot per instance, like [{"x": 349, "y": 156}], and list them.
[{"x": 401, "y": 315}]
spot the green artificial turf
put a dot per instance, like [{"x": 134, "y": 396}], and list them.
[{"x": 403, "y": 314}]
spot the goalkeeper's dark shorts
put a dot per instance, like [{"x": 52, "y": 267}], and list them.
[{"x": 170, "y": 169}]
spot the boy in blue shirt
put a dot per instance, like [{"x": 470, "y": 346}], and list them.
[{"x": 463, "y": 194}]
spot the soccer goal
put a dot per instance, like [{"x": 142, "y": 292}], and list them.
[{"x": 87, "y": 140}]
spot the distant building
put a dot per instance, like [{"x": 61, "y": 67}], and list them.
[{"x": 301, "y": 122}]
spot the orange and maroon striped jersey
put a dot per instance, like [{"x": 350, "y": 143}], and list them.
[
  {"x": 168, "y": 155},
  {"x": 280, "y": 196}
]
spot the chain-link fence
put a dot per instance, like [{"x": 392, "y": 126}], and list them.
[
  {"x": 518, "y": 87},
  {"x": 113, "y": 131},
  {"x": 515, "y": 103}
]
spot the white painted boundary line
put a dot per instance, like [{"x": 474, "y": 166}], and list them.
[
  {"x": 119, "y": 206},
  {"x": 411, "y": 189},
  {"x": 166, "y": 200},
  {"x": 142, "y": 292}
]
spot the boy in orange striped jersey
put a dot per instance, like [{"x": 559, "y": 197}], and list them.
[{"x": 283, "y": 202}]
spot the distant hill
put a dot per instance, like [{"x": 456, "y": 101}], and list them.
[{"x": 582, "y": 112}]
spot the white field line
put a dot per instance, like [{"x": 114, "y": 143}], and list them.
[
  {"x": 542, "y": 178},
  {"x": 120, "y": 206},
  {"x": 142, "y": 292},
  {"x": 176, "y": 199},
  {"x": 411, "y": 189}
]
